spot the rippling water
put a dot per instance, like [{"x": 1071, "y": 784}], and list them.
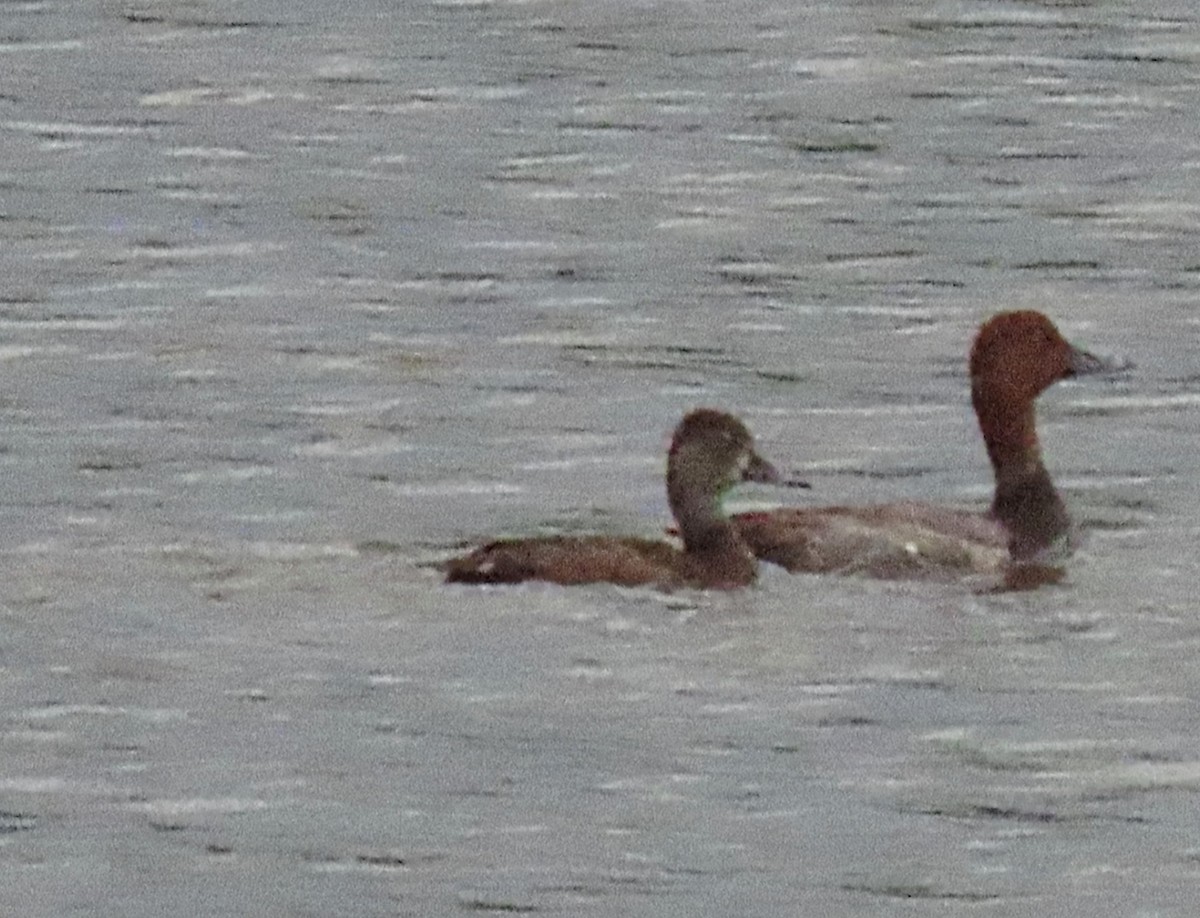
[{"x": 296, "y": 297}]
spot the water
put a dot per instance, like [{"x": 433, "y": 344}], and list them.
[{"x": 297, "y": 298}]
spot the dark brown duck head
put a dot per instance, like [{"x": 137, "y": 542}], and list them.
[
  {"x": 1017, "y": 356},
  {"x": 711, "y": 451}
]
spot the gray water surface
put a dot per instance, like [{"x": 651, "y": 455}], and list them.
[{"x": 297, "y": 297}]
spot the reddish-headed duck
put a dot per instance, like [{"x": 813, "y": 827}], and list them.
[
  {"x": 710, "y": 452},
  {"x": 1016, "y": 356}
]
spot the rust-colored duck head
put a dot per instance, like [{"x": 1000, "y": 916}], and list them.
[{"x": 1018, "y": 355}]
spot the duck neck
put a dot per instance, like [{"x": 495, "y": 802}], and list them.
[
  {"x": 703, "y": 525},
  {"x": 1025, "y": 501},
  {"x": 714, "y": 554}
]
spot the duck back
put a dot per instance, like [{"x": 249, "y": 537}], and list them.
[
  {"x": 565, "y": 560},
  {"x": 887, "y": 541}
]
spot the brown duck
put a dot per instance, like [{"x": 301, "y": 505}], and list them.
[{"x": 710, "y": 452}]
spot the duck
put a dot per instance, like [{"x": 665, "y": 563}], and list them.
[
  {"x": 1023, "y": 536},
  {"x": 710, "y": 452}
]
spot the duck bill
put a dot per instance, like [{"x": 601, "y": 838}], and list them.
[
  {"x": 1085, "y": 363},
  {"x": 759, "y": 470},
  {"x": 756, "y": 468}
]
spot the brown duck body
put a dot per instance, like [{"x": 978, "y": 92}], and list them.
[
  {"x": 1015, "y": 357},
  {"x": 710, "y": 451},
  {"x": 625, "y": 561}
]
